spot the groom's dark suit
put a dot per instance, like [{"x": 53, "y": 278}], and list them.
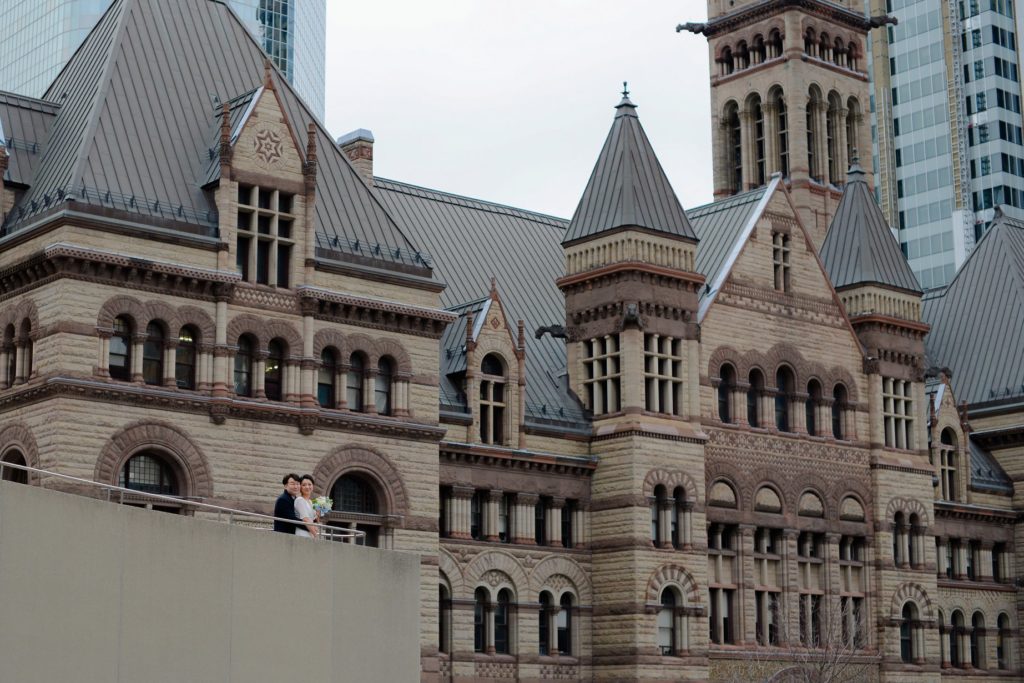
[{"x": 285, "y": 507}]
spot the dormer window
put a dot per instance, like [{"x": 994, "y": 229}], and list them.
[
  {"x": 264, "y": 249},
  {"x": 492, "y": 399}
]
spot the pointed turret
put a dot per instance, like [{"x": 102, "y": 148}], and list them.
[
  {"x": 628, "y": 188},
  {"x": 860, "y": 249},
  {"x": 630, "y": 281}
]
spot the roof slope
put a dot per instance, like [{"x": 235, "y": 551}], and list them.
[
  {"x": 628, "y": 187},
  {"x": 24, "y": 131},
  {"x": 977, "y": 321},
  {"x": 470, "y": 242},
  {"x": 859, "y": 247},
  {"x": 138, "y": 100}
]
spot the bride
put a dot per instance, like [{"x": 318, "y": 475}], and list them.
[{"x": 304, "y": 508}]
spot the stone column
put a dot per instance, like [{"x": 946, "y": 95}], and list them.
[
  {"x": 459, "y": 520},
  {"x": 961, "y": 561},
  {"x": 170, "y": 358},
  {"x": 309, "y": 364},
  {"x": 221, "y": 352},
  {"x": 746, "y": 153},
  {"x": 940, "y": 556},
  {"x": 685, "y": 525},
  {"x": 631, "y": 359},
  {"x": 739, "y": 403},
  {"x": 579, "y": 526},
  {"x": 19, "y": 361},
  {"x": 823, "y": 413},
  {"x": 767, "y": 399},
  {"x": 447, "y": 501},
  {"x": 5, "y": 359},
  {"x": 798, "y": 413},
  {"x": 666, "y": 508},
  {"x": 260, "y": 374},
  {"x": 525, "y": 510},
  {"x": 789, "y": 626},
  {"x": 494, "y": 498},
  {"x": 944, "y": 646},
  {"x": 744, "y": 603},
  {"x": 692, "y": 379},
  {"x": 771, "y": 138},
  {"x": 984, "y": 571},
  {"x": 903, "y": 535},
  {"x": 137, "y": 341},
  {"x": 290, "y": 370},
  {"x": 555, "y": 513}
]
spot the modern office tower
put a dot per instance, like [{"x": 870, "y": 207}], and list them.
[
  {"x": 946, "y": 126},
  {"x": 40, "y": 37}
]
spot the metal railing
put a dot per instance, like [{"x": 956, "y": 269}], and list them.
[{"x": 217, "y": 513}]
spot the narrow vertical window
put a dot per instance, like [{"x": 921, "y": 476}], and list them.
[
  {"x": 492, "y": 400},
  {"x": 726, "y": 386},
  {"x": 326, "y": 376},
  {"x": 502, "y": 622},
  {"x": 754, "y": 391},
  {"x": 838, "y": 406},
  {"x": 780, "y": 261},
  {"x": 667, "y": 622},
  {"x": 185, "y": 359},
  {"x": 783, "y": 399},
  {"x": 759, "y": 146},
  {"x": 480, "y": 605},
  {"x": 354, "y": 382},
  {"x": 274, "y": 374},
  {"x": 564, "y": 625},
  {"x": 782, "y": 124},
  {"x": 948, "y": 465},
  {"x": 811, "y": 406},
  {"x": 734, "y": 147},
  {"x": 243, "y": 367},
  {"x": 264, "y": 243},
  {"x": 544, "y": 624},
  {"x": 382, "y": 386},
  {"x": 907, "y": 624},
  {"x": 120, "y": 356}
]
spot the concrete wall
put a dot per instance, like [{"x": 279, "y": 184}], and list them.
[{"x": 91, "y": 591}]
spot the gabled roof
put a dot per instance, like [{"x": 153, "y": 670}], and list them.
[
  {"x": 472, "y": 241},
  {"x": 978, "y": 320},
  {"x": 859, "y": 247},
  {"x": 453, "y": 350},
  {"x": 986, "y": 472},
  {"x": 24, "y": 131},
  {"x": 137, "y": 102},
  {"x": 628, "y": 187},
  {"x": 723, "y": 228}
]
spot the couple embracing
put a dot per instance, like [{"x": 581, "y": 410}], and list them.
[{"x": 296, "y": 503}]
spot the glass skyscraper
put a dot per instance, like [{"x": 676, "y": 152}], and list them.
[
  {"x": 40, "y": 36},
  {"x": 946, "y": 124}
]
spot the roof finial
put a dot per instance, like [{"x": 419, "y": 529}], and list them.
[
  {"x": 494, "y": 287},
  {"x": 625, "y": 105},
  {"x": 268, "y": 69},
  {"x": 855, "y": 172},
  {"x": 625, "y": 90}
]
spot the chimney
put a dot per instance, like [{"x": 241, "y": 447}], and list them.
[{"x": 358, "y": 147}]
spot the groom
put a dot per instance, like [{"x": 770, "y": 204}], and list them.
[{"x": 285, "y": 505}]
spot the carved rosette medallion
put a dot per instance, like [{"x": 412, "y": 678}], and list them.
[{"x": 267, "y": 147}]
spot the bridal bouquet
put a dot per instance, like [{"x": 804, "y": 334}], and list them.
[{"x": 322, "y": 505}]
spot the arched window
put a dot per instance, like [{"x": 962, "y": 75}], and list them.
[
  {"x": 503, "y": 622},
  {"x": 481, "y": 604},
  {"x": 354, "y": 383},
  {"x": 734, "y": 147},
  {"x": 838, "y": 406},
  {"x": 899, "y": 530},
  {"x": 810, "y": 43},
  {"x": 153, "y": 354},
  {"x": 754, "y": 391},
  {"x": 492, "y": 399},
  {"x": 544, "y": 623},
  {"x": 119, "y": 360},
  {"x": 726, "y": 387},
  {"x": 273, "y": 376},
  {"x": 150, "y": 473},
  {"x": 824, "y": 47},
  {"x": 728, "y": 64},
  {"x": 978, "y": 640},
  {"x": 27, "y": 351},
  {"x": 836, "y": 165},
  {"x": 185, "y": 358},
  {"x": 12, "y": 355},
  {"x": 1003, "y": 642},
  {"x": 742, "y": 55},
  {"x": 956, "y": 632},
  {"x": 915, "y": 541},
  {"x": 852, "y": 117},
  {"x": 660, "y": 499},
  {"x": 838, "y": 52},
  {"x": 667, "y": 622},
  {"x": 948, "y": 465},
  {"x": 326, "y": 375},
  {"x": 811, "y": 406},
  {"x": 444, "y": 620},
  {"x": 15, "y": 457},
  {"x": 851, "y": 55},
  {"x": 564, "y": 625},
  {"x": 758, "y": 52},
  {"x": 783, "y": 399},
  {"x": 774, "y": 44},
  {"x": 355, "y": 498},
  {"x": 243, "y": 366},
  {"x": 681, "y": 532},
  {"x": 908, "y": 625},
  {"x": 382, "y": 386},
  {"x": 813, "y": 134}
]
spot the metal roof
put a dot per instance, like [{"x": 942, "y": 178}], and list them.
[
  {"x": 472, "y": 241},
  {"x": 628, "y": 187},
  {"x": 24, "y": 130},
  {"x": 859, "y": 247},
  {"x": 135, "y": 120},
  {"x": 978, "y": 320},
  {"x": 986, "y": 472},
  {"x": 723, "y": 228}
]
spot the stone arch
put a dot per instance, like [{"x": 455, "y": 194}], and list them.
[
  {"x": 185, "y": 456},
  {"x": 672, "y": 575},
  {"x": 162, "y": 314},
  {"x": 451, "y": 570},
  {"x": 908, "y": 506},
  {"x": 17, "y": 436},
  {"x": 722, "y": 473},
  {"x": 766, "y": 478},
  {"x": 199, "y": 319},
  {"x": 279, "y": 329},
  {"x": 25, "y": 309},
  {"x": 556, "y": 565},
  {"x": 247, "y": 324},
  {"x": 390, "y": 347},
  {"x": 812, "y": 504},
  {"x": 360, "y": 342},
  {"x": 118, "y": 306},
  {"x": 915, "y": 593},
  {"x": 721, "y": 356},
  {"x": 368, "y": 461},
  {"x": 839, "y": 375},
  {"x": 327, "y": 338},
  {"x": 853, "y": 489},
  {"x": 670, "y": 479},
  {"x": 496, "y": 561}
]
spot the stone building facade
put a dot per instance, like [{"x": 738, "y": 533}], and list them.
[{"x": 644, "y": 444}]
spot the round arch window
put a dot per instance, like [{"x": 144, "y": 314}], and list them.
[
  {"x": 357, "y": 506},
  {"x": 15, "y": 457},
  {"x": 149, "y": 473}
]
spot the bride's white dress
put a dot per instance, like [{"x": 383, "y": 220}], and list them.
[{"x": 303, "y": 510}]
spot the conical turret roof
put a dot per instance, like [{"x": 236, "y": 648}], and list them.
[
  {"x": 628, "y": 187},
  {"x": 860, "y": 248}
]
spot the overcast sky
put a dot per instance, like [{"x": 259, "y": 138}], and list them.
[{"x": 510, "y": 100}]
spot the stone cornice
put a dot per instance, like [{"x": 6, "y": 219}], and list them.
[
  {"x": 516, "y": 458},
  {"x": 754, "y": 13},
  {"x": 973, "y": 513},
  {"x": 219, "y": 409},
  {"x": 692, "y": 280},
  {"x": 376, "y": 313}
]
